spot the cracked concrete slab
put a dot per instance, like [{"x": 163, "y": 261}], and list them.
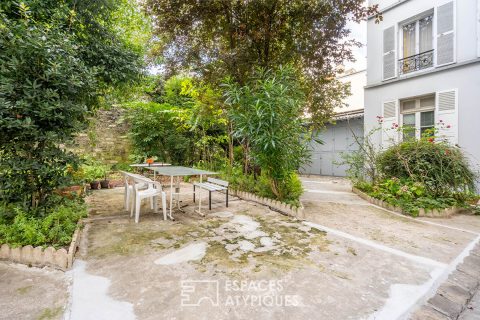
[
  {"x": 319, "y": 271},
  {"x": 370, "y": 222},
  {"x": 350, "y": 260}
]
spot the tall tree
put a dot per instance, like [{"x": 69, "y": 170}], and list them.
[
  {"x": 219, "y": 38},
  {"x": 57, "y": 60}
]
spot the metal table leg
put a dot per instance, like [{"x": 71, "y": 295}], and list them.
[
  {"x": 177, "y": 193},
  {"x": 171, "y": 196},
  {"x": 199, "y": 211}
]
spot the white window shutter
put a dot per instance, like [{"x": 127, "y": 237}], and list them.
[
  {"x": 390, "y": 120},
  {"x": 478, "y": 28},
  {"x": 445, "y": 15},
  {"x": 447, "y": 116},
  {"x": 389, "y": 53}
]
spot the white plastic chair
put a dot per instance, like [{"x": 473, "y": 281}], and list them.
[
  {"x": 128, "y": 194},
  {"x": 153, "y": 190}
]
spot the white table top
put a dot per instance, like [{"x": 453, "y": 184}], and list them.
[
  {"x": 146, "y": 165},
  {"x": 175, "y": 171}
]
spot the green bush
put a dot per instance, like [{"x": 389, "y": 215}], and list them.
[
  {"x": 54, "y": 229},
  {"x": 94, "y": 172},
  {"x": 412, "y": 196},
  {"x": 122, "y": 167},
  {"x": 58, "y": 61},
  {"x": 238, "y": 180},
  {"x": 290, "y": 188},
  {"x": 440, "y": 167},
  {"x": 267, "y": 114},
  {"x": 187, "y": 126}
]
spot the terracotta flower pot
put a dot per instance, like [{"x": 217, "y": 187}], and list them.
[
  {"x": 105, "y": 184},
  {"x": 94, "y": 185}
]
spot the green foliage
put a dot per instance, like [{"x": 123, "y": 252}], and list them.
[
  {"x": 55, "y": 228},
  {"x": 412, "y": 196},
  {"x": 413, "y": 174},
  {"x": 476, "y": 209},
  {"x": 158, "y": 130},
  {"x": 440, "y": 167},
  {"x": 120, "y": 166},
  {"x": 57, "y": 62},
  {"x": 361, "y": 163},
  {"x": 187, "y": 127},
  {"x": 238, "y": 180},
  {"x": 94, "y": 172},
  {"x": 266, "y": 115},
  {"x": 217, "y": 38},
  {"x": 291, "y": 186}
]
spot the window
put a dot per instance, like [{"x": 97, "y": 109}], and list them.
[
  {"x": 417, "y": 44},
  {"x": 418, "y": 116}
]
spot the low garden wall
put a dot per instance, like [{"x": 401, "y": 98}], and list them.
[
  {"x": 445, "y": 213},
  {"x": 285, "y": 208},
  {"x": 40, "y": 256}
]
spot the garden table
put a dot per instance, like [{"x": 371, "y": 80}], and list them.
[
  {"x": 177, "y": 171},
  {"x": 148, "y": 165}
]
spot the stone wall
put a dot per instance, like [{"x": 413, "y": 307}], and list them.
[{"x": 106, "y": 138}]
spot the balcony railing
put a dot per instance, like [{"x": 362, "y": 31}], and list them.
[{"x": 416, "y": 62}]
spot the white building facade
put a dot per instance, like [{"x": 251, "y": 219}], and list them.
[{"x": 423, "y": 70}]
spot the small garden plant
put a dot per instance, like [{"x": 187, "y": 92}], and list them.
[
  {"x": 53, "y": 227},
  {"x": 427, "y": 173}
]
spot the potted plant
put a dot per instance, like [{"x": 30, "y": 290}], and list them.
[
  {"x": 76, "y": 186},
  {"x": 92, "y": 174},
  {"x": 105, "y": 183}
]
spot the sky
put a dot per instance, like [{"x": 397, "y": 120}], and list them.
[{"x": 359, "y": 33}]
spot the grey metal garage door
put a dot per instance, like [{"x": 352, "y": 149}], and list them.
[{"x": 337, "y": 139}]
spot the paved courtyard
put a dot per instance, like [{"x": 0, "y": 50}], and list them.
[{"x": 348, "y": 260}]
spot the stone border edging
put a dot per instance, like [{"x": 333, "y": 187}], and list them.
[
  {"x": 445, "y": 213},
  {"x": 285, "y": 208},
  {"x": 41, "y": 257}
]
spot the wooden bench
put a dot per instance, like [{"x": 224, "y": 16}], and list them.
[{"x": 212, "y": 185}]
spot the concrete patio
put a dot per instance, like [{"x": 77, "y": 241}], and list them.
[{"x": 348, "y": 260}]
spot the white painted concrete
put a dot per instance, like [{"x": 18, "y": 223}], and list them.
[
  {"x": 403, "y": 296},
  {"x": 90, "y": 299},
  {"x": 246, "y": 245},
  {"x": 246, "y": 226},
  {"x": 266, "y": 241},
  {"x": 195, "y": 251}
]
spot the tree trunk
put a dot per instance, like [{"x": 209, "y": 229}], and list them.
[
  {"x": 230, "y": 143},
  {"x": 245, "y": 153}
]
